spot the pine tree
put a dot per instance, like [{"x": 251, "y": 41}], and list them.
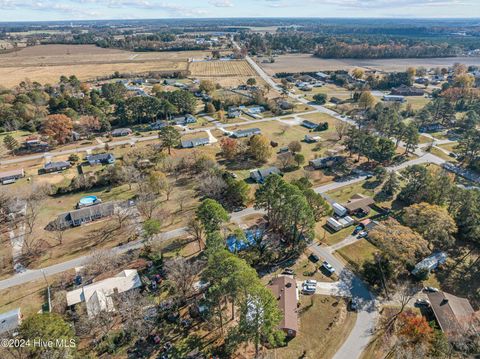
[{"x": 10, "y": 143}]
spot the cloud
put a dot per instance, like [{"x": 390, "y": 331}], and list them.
[
  {"x": 388, "y": 4},
  {"x": 98, "y": 8},
  {"x": 221, "y": 3}
]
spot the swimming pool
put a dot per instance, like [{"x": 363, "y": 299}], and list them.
[{"x": 88, "y": 201}]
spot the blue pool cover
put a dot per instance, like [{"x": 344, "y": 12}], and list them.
[{"x": 235, "y": 245}]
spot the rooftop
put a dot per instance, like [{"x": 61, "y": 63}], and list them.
[
  {"x": 9, "y": 321},
  {"x": 98, "y": 295},
  {"x": 454, "y": 314},
  {"x": 284, "y": 289}
]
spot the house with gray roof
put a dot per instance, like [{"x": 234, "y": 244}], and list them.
[
  {"x": 120, "y": 132},
  {"x": 259, "y": 175},
  {"x": 54, "y": 167},
  {"x": 184, "y": 120},
  {"x": 309, "y": 124},
  {"x": 8, "y": 177},
  {"x": 195, "y": 142},
  {"x": 81, "y": 216},
  {"x": 326, "y": 162},
  {"x": 246, "y": 133},
  {"x": 101, "y": 158}
]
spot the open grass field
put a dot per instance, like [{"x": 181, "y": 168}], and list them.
[
  {"x": 358, "y": 253},
  {"x": 330, "y": 90},
  {"x": 307, "y": 62},
  {"x": 226, "y": 73},
  {"x": 46, "y": 63},
  {"x": 324, "y": 325}
]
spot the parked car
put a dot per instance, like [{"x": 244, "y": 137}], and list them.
[
  {"x": 357, "y": 229},
  {"x": 430, "y": 289},
  {"x": 362, "y": 234},
  {"x": 308, "y": 289},
  {"x": 288, "y": 271},
  {"x": 314, "y": 258},
  {"x": 354, "y": 304},
  {"x": 422, "y": 303},
  {"x": 328, "y": 267},
  {"x": 312, "y": 282}
]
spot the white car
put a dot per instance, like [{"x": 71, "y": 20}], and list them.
[
  {"x": 311, "y": 282},
  {"x": 328, "y": 267},
  {"x": 309, "y": 289}
]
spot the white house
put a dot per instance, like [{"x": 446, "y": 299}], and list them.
[{"x": 98, "y": 296}]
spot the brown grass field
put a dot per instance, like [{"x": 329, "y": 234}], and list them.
[
  {"x": 226, "y": 73},
  {"x": 307, "y": 62},
  {"x": 46, "y": 63}
]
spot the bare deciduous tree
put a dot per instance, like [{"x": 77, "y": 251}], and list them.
[
  {"x": 341, "y": 128},
  {"x": 182, "y": 273},
  {"x": 196, "y": 230},
  {"x": 212, "y": 186}
]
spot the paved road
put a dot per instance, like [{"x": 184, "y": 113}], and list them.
[
  {"x": 367, "y": 314},
  {"x": 133, "y": 140},
  {"x": 37, "y": 274},
  {"x": 362, "y": 331}
]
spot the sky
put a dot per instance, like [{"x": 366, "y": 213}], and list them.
[{"x": 47, "y": 10}]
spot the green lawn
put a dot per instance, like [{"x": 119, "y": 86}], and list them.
[
  {"x": 358, "y": 253},
  {"x": 439, "y": 153},
  {"x": 330, "y": 90},
  {"x": 449, "y": 146},
  {"x": 324, "y": 325}
]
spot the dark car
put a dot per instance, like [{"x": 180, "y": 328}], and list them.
[
  {"x": 314, "y": 258},
  {"x": 288, "y": 271}
]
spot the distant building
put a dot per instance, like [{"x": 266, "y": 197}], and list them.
[
  {"x": 12, "y": 176},
  {"x": 158, "y": 125},
  {"x": 233, "y": 112},
  {"x": 432, "y": 127},
  {"x": 259, "y": 175},
  {"x": 359, "y": 204},
  {"x": 255, "y": 110},
  {"x": 184, "y": 120},
  {"x": 404, "y": 90},
  {"x": 284, "y": 289},
  {"x": 101, "y": 158},
  {"x": 120, "y": 132},
  {"x": 55, "y": 167},
  {"x": 322, "y": 76},
  {"x": 36, "y": 145},
  {"x": 339, "y": 210},
  {"x": 455, "y": 316},
  {"x": 336, "y": 100},
  {"x": 393, "y": 98},
  {"x": 340, "y": 223},
  {"x": 309, "y": 124},
  {"x": 81, "y": 216},
  {"x": 430, "y": 263},
  {"x": 10, "y": 321},
  {"x": 195, "y": 142},
  {"x": 422, "y": 81},
  {"x": 326, "y": 162},
  {"x": 246, "y": 133},
  {"x": 98, "y": 295}
]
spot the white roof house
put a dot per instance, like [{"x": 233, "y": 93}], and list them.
[
  {"x": 430, "y": 263},
  {"x": 9, "y": 321},
  {"x": 97, "y": 296}
]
